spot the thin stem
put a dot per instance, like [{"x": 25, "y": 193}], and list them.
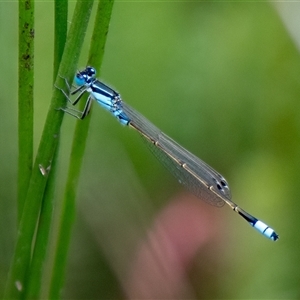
[
  {"x": 25, "y": 124},
  {"x": 78, "y": 147},
  {"x": 35, "y": 282},
  {"x": 60, "y": 32},
  {"x": 46, "y": 150}
]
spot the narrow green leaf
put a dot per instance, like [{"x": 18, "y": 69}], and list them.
[
  {"x": 60, "y": 31},
  {"x": 47, "y": 147},
  {"x": 78, "y": 147},
  {"x": 25, "y": 124},
  {"x": 35, "y": 279}
]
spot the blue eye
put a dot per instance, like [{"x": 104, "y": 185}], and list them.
[{"x": 79, "y": 80}]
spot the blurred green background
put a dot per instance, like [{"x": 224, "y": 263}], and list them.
[{"x": 222, "y": 79}]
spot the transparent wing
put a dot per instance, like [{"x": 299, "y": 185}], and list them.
[{"x": 198, "y": 177}]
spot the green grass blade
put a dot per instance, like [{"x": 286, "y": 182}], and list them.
[
  {"x": 100, "y": 32},
  {"x": 60, "y": 32},
  {"x": 78, "y": 147},
  {"x": 35, "y": 280},
  {"x": 46, "y": 150},
  {"x": 25, "y": 124}
]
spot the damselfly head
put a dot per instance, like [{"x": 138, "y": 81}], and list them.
[{"x": 85, "y": 77}]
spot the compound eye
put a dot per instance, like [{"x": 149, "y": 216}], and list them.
[
  {"x": 79, "y": 79},
  {"x": 90, "y": 71}
]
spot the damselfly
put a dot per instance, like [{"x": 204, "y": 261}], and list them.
[{"x": 197, "y": 176}]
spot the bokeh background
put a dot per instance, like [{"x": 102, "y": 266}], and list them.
[{"x": 222, "y": 79}]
